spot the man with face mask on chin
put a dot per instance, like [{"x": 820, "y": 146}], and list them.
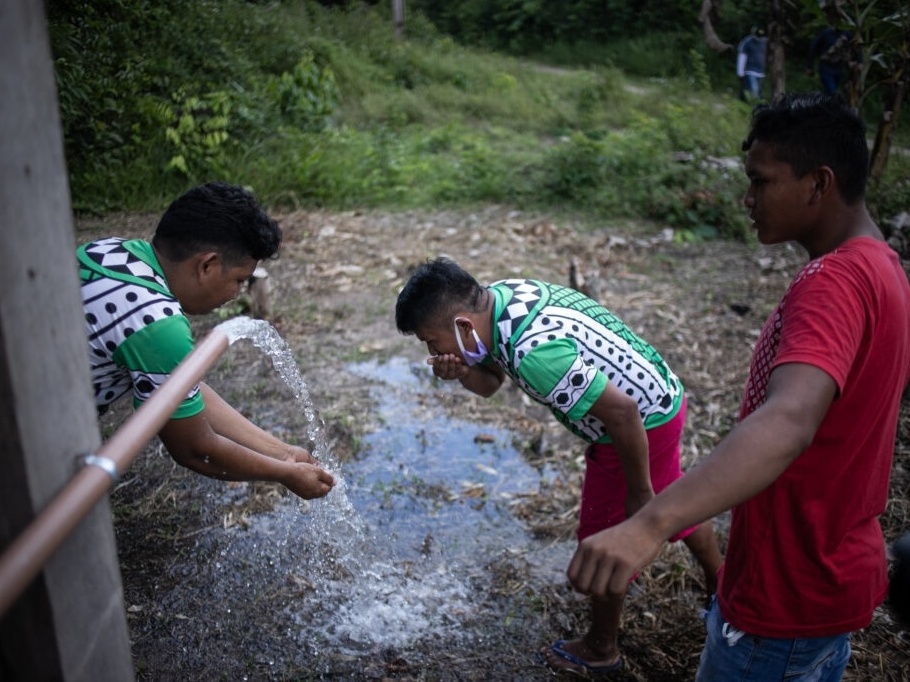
[{"x": 599, "y": 379}]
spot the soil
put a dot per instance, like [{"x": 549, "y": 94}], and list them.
[{"x": 333, "y": 292}]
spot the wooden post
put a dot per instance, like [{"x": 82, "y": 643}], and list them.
[{"x": 70, "y": 624}]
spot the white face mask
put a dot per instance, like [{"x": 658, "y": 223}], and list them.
[{"x": 471, "y": 358}]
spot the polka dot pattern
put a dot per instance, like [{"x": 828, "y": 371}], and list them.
[
  {"x": 537, "y": 319},
  {"x": 123, "y": 297}
]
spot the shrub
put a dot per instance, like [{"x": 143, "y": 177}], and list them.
[
  {"x": 306, "y": 97},
  {"x": 197, "y": 132},
  {"x": 891, "y": 195},
  {"x": 700, "y": 201}
]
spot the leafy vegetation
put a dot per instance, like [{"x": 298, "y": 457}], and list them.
[{"x": 323, "y": 106}]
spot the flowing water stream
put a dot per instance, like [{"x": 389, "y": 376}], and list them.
[{"x": 393, "y": 555}]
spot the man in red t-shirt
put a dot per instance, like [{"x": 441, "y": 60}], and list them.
[{"x": 806, "y": 468}]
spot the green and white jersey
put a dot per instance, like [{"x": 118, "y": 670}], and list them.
[
  {"x": 562, "y": 348},
  {"x": 137, "y": 332}
]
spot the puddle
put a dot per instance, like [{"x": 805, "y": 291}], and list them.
[{"x": 427, "y": 479}]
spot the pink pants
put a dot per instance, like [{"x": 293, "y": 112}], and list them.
[{"x": 603, "y": 494}]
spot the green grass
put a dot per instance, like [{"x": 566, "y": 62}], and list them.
[{"x": 318, "y": 107}]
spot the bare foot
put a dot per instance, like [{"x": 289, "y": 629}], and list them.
[{"x": 574, "y": 655}]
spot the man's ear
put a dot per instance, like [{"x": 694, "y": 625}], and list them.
[
  {"x": 824, "y": 180},
  {"x": 465, "y": 322},
  {"x": 207, "y": 263}
]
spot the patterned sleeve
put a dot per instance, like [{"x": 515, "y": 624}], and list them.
[
  {"x": 152, "y": 353},
  {"x": 562, "y": 379}
]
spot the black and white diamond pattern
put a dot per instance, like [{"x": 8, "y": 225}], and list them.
[
  {"x": 110, "y": 254},
  {"x": 525, "y": 296}
]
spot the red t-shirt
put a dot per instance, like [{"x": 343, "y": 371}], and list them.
[{"x": 806, "y": 556}]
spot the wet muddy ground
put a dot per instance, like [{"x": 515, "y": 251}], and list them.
[{"x": 238, "y": 581}]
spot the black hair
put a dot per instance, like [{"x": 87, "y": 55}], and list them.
[
  {"x": 219, "y": 217},
  {"x": 811, "y": 130},
  {"x": 436, "y": 289}
]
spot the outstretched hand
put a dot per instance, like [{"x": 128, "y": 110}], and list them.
[
  {"x": 448, "y": 367},
  {"x": 298, "y": 454},
  {"x": 305, "y": 477},
  {"x": 605, "y": 563}
]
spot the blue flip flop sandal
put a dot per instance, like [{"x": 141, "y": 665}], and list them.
[{"x": 581, "y": 665}]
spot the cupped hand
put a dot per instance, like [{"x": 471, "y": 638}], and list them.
[
  {"x": 298, "y": 454},
  {"x": 308, "y": 480},
  {"x": 448, "y": 366}
]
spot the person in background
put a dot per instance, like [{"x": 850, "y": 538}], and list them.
[
  {"x": 832, "y": 49},
  {"x": 750, "y": 64},
  {"x": 806, "y": 468},
  {"x": 136, "y": 295},
  {"x": 600, "y": 380}
]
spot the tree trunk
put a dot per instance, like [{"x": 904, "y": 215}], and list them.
[
  {"x": 776, "y": 56},
  {"x": 398, "y": 18},
  {"x": 891, "y": 111}
]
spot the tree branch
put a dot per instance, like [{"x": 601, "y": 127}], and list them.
[{"x": 711, "y": 37}]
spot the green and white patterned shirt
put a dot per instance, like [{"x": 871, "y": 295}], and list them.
[
  {"x": 137, "y": 331},
  {"x": 562, "y": 348}
]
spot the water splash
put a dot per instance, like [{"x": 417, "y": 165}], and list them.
[
  {"x": 267, "y": 339},
  {"x": 335, "y": 516},
  {"x": 369, "y": 595},
  {"x": 387, "y": 607}
]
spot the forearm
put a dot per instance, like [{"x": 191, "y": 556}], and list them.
[
  {"x": 225, "y": 459},
  {"x": 484, "y": 381},
  {"x": 747, "y": 461},
  {"x": 631, "y": 445},
  {"x": 193, "y": 444},
  {"x": 229, "y": 423}
]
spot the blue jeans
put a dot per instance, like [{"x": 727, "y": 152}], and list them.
[
  {"x": 734, "y": 656},
  {"x": 750, "y": 86},
  {"x": 830, "y": 77}
]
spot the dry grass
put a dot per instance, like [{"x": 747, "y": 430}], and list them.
[{"x": 701, "y": 305}]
